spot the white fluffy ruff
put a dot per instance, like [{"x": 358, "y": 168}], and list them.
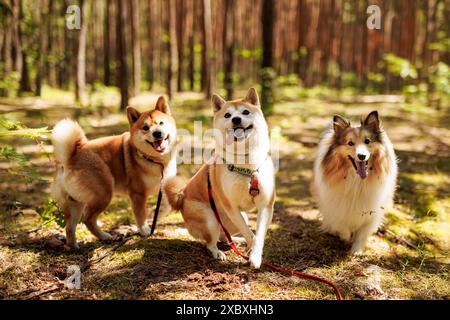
[{"x": 354, "y": 209}]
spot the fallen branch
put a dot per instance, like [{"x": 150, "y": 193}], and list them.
[
  {"x": 399, "y": 238},
  {"x": 42, "y": 292},
  {"x": 88, "y": 263}
]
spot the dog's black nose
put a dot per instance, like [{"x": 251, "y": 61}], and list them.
[
  {"x": 157, "y": 134},
  {"x": 236, "y": 120},
  {"x": 361, "y": 157}
]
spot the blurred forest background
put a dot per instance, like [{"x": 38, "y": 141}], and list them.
[
  {"x": 205, "y": 46},
  {"x": 309, "y": 59}
]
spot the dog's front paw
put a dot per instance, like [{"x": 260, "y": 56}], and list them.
[
  {"x": 73, "y": 246},
  {"x": 219, "y": 255},
  {"x": 357, "y": 249},
  {"x": 144, "y": 230},
  {"x": 240, "y": 241},
  {"x": 255, "y": 259}
]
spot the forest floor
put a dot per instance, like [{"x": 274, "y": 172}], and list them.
[{"x": 407, "y": 259}]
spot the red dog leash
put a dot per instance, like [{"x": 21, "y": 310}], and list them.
[{"x": 297, "y": 274}]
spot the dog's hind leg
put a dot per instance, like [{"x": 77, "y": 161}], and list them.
[
  {"x": 211, "y": 237},
  {"x": 71, "y": 208},
  {"x": 72, "y": 214},
  {"x": 92, "y": 211}
]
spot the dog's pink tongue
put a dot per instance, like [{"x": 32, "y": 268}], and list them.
[
  {"x": 361, "y": 169},
  {"x": 230, "y": 136},
  {"x": 160, "y": 145}
]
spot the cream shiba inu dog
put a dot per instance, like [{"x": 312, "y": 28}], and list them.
[
  {"x": 236, "y": 186},
  {"x": 355, "y": 174},
  {"x": 90, "y": 172}
]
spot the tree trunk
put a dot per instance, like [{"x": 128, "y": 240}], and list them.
[
  {"x": 267, "y": 76},
  {"x": 7, "y": 51},
  {"x": 229, "y": 46},
  {"x": 42, "y": 47},
  {"x": 122, "y": 76},
  {"x": 208, "y": 54},
  {"x": 81, "y": 56},
  {"x": 136, "y": 47},
  {"x": 18, "y": 58},
  {"x": 150, "y": 46},
  {"x": 191, "y": 66},
  {"x": 106, "y": 47},
  {"x": 179, "y": 28},
  {"x": 21, "y": 60},
  {"x": 173, "y": 55}
]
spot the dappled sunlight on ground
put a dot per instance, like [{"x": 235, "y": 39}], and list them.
[{"x": 408, "y": 258}]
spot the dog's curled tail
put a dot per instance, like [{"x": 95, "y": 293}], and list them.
[
  {"x": 173, "y": 188},
  {"x": 67, "y": 135}
]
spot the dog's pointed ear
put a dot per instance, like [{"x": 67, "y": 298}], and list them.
[
  {"x": 217, "y": 102},
  {"x": 132, "y": 115},
  {"x": 252, "y": 97},
  {"x": 340, "y": 123},
  {"x": 372, "y": 121},
  {"x": 163, "y": 106}
]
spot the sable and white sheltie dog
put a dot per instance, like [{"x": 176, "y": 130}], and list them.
[
  {"x": 241, "y": 132},
  {"x": 89, "y": 172},
  {"x": 355, "y": 174}
]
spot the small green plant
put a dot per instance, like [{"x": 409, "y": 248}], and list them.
[
  {"x": 440, "y": 78},
  {"x": 9, "y": 84},
  {"x": 23, "y": 167},
  {"x": 400, "y": 67},
  {"x": 51, "y": 212}
]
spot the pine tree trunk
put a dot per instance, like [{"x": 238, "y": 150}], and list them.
[
  {"x": 81, "y": 56},
  {"x": 267, "y": 76},
  {"x": 106, "y": 47},
  {"x": 18, "y": 58},
  {"x": 179, "y": 30},
  {"x": 173, "y": 55},
  {"x": 191, "y": 66},
  {"x": 229, "y": 46},
  {"x": 42, "y": 48},
  {"x": 122, "y": 75},
  {"x": 136, "y": 47},
  {"x": 209, "y": 60},
  {"x": 51, "y": 68},
  {"x": 150, "y": 46}
]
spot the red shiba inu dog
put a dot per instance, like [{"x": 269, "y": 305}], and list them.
[
  {"x": 90, "y": 172},
  {"x": 241, "y": 131},
  {"x": 355, "y": 174}
]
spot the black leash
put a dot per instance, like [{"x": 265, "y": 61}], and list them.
[
  {"x": 155, "y": 216},
  {"x": 158, "y": 202}
]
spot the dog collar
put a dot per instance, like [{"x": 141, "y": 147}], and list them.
[
  {"x": 244, "y": 171},
  {"x": 143, "y": 156},
  {"x": 254, "y": 182}
]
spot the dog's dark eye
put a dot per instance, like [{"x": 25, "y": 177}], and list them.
[
  {"x": 350, "y": 143},
  {"x": 145, "y": 128},
  {"x": 245, "y": 112},
  {"x": 367, "y": 141},
  {"x": 227, "y": 115},
  {"x": 161, "y": 123}
]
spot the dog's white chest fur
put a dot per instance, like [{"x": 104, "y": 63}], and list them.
[
  {"x": 237, "y": 186},
  {"x": 349, "y": 206}
]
